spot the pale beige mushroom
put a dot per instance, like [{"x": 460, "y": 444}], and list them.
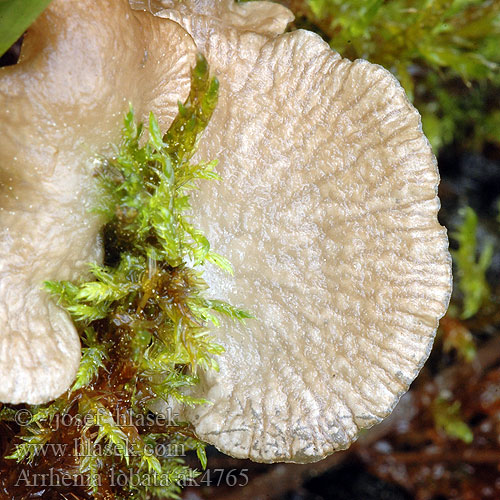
[
  {"x": 81, "y": 63},
  {"x": 328, "y": 212}
]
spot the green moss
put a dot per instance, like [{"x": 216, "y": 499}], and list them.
[
  {"x": 143, "y": 319},
  {"x": 471, "y": 265},
  {"x": 440, "y": 50},
  {"x": 447, "y": 417}
]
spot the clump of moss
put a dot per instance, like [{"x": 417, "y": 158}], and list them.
[
  {"x": 144, "y": 323},
  {"x": 444, "y": 53},
  {"x": 471, "y": 265},
  {"x": 448, "y": 418}
]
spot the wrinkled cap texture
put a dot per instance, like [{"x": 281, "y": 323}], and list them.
[
  {"x": 81, "y": 64},
  {"x": 328, "y": 212}
]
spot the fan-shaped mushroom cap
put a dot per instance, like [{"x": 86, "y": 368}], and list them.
[
  {"x": 328, "y": 211},
  {"x": 81, "y": 63}
]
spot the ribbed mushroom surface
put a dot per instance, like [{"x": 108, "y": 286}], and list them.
[{"x": 328, "y": 212}]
